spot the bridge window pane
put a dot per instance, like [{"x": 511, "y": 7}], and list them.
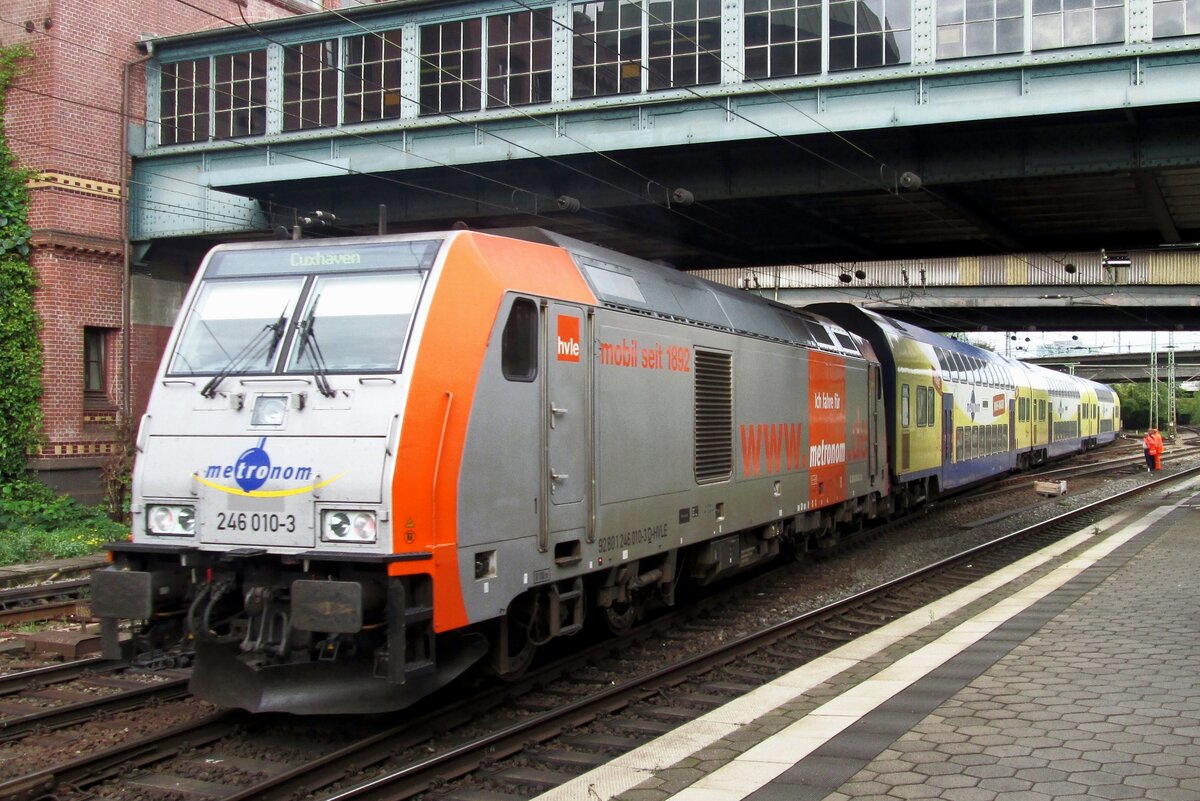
[
  {"x": 1176, "y": 18},
  {"x": 310, "y": 77},
  {"x": 685, "y": 43},
  {"x": 869, "y": 33},
  {"x": 978, "y": 10},
  {"x": 1071, "y": 23},
  {"x": 519, "y": 58},
  {"x": 451, "y": 67},
  {"x": 606, "y": 48},
  {"x": 979, "y": 27},
  {"x": 183, "y": 102},
  {"x": 371, "y": 79},
  {"x": 1110, "y": 24},
  {"x": 240, "y": 94},
  {"x": 1010, "y": 34},
  {"x": 783, "y": 40}
]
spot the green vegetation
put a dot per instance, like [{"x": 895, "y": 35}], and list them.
[
  {"x": 36, "y": 524},
  {"x": 1135, "y": 406},
  {"x": 20, "y": 348}
]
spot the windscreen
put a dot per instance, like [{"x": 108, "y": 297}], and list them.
[
  {"x": 236, "y": 320},
  {"x": 355, "y": 323}
]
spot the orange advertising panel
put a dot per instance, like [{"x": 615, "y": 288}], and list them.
[{"x": 827, "y": 429}]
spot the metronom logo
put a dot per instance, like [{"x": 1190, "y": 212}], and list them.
[{"x": 253, "y": 469}]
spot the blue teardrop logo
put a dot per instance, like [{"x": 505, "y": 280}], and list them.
[{"x": 253, "y": 467}]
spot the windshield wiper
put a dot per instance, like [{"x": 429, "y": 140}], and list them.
[
  {"x": 276, "y": 328},
  {"x": 308, "y": 342}
]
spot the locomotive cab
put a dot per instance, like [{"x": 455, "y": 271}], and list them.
[{"x": 263, "y": 536}]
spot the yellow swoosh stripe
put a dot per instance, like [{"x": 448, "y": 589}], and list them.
[{"x": 266, "y": 493}]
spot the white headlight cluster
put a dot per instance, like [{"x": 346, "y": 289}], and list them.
[
  {"x": 170, "y": 519},
  {"x": 348, "y": 526}
]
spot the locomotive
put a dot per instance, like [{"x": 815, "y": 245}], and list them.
[{"x": 369, "y": 464}]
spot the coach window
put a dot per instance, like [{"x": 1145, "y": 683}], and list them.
[
  {"x": 518, "y": 347},
  {"x": 960, "y": 367},
  {"x": 905, "y": 415}
]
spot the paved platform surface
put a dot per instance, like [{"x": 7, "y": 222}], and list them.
[{"x": 1070, "y": 676}]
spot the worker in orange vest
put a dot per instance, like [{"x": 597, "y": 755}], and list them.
[
  {"x": 1151, "y": 447},
  {"x": 1158, "y": 450}
]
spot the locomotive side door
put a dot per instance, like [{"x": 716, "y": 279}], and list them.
[{"x": 567, "y": 407}]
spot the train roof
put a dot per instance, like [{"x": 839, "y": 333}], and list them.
[{"x": 628, "y": 283}]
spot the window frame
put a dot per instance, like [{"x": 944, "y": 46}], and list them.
[
  {"x": 520, "y": 342},
  {"x": 782, "y": 57},
  {"x": 304, "y": 64},
  {"x": 95, "y": 367}
]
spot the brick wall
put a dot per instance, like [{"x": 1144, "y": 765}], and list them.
[{"x": 64, "y": 120}]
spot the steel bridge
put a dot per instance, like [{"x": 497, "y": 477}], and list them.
[{"x": 961, "y": 155}]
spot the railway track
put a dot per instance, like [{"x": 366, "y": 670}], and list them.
[
  {"x": 536, "y": 755},
  {"x": 1087, "y": 473},
  {"x": 50, "y": 601},
  {"x": 568, "y": 717},
  {"x": 57, "y": 696}
]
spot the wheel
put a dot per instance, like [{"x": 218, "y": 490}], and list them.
[{"x": 620, "y": 617}]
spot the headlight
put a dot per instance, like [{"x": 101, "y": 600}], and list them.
[
  {"x": 269, "y": 410},
  {"x": 163, "y": 519},
  {"x": 348, "y": 526}
]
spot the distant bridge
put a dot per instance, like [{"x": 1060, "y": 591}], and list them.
[{"x": 1121, "y": 367}]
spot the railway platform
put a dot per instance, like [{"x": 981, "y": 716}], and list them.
[{"x": 1071, "y": 675}]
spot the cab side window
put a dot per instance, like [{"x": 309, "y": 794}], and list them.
[{"x": 519, "y": 344}]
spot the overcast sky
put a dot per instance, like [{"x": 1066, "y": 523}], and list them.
[{"x": 1087, "y": 342}]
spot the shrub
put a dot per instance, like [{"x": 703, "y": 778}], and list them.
[{"x": 36, "y": 524}]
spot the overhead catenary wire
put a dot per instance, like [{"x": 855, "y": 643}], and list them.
[
  {"x": 343, "y": 131},
  {"x": 490, "y": 133},
  {"x": 250, "y": 145}
]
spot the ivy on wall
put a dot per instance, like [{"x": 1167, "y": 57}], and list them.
[{"x": 20, "y": 347}]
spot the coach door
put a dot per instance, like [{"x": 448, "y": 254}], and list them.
[
  {"x": 947, "y": 429},
  {"x": 566, "y": 403},
  {"x": 1012, "y": 425},
  {"x": 873, "y": 394}
]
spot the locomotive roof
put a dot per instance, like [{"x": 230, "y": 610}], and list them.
[{"x": 633, "y": 284}]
